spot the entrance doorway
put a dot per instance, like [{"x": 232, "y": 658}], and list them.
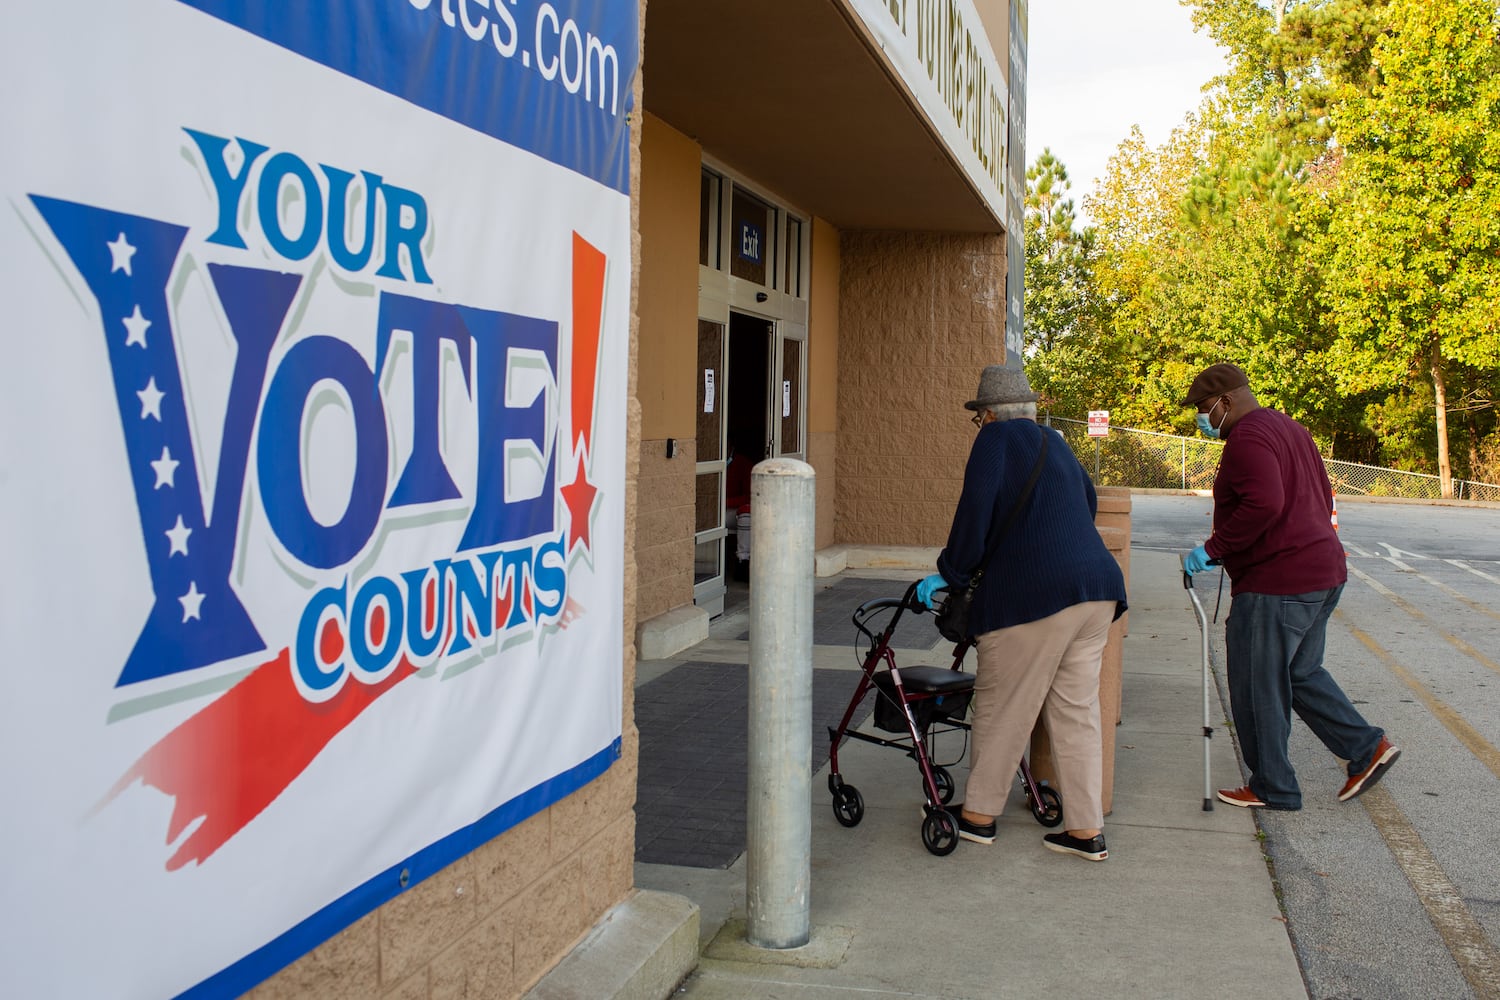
[
  {"x": 744, "y": 415},
  {"x": 749, "y": 368},
  {"x": 752, "y": 362}
]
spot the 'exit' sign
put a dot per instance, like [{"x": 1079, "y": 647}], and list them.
[{"x": 750, "y": 242}]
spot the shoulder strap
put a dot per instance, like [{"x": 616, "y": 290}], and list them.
[{"x": 1010, "y": 517}]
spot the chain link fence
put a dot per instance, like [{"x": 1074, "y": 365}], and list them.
[{"x": 1150, "y": 460}]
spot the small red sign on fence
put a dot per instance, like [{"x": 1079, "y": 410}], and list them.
[{"x": 1098, "y": 423}]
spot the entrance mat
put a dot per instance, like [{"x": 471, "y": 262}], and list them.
[
  {"x": 834, "y": 606},
  {"x": 690, "y": 795}
]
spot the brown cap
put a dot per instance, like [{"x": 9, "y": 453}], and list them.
[{"x": 1214, "y": 380}]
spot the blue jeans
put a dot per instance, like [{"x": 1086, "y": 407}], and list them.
[{"x": 1274, "y": 644}]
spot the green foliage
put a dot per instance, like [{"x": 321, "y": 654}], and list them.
[
  {"x": 1329, "y": 220},
  {"x": 1057, "y": 257},
  {"x": 1412, "y": 249},
  {"x": 1287, "y": 61},
  {"x": 1403, "y": 423}
]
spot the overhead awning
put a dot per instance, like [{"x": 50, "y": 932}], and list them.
[{"x": 799, "y": 96}]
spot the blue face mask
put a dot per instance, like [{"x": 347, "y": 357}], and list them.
[{"x": 1205, "y": 424}]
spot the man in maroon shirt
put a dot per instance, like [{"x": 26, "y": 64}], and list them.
[{"x": 1273, "y": 532}]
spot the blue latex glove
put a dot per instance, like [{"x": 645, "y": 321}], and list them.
[
  {"x": 928, "y": 585},
  {"x": 1197, "y": 561}
]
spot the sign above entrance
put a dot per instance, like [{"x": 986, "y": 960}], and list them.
[
  {"x": 942, "y": 54},
  {"x": 751, "y": 240}
]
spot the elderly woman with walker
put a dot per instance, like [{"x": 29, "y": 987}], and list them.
[{"x": 1047, "y": 590}]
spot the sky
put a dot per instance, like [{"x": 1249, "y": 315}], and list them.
[{"x": 1097, "y": 67}]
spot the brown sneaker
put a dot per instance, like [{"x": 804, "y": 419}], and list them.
[
  {"x": 1241, "y": 796},
  {"x": 1381, "y": 760}
]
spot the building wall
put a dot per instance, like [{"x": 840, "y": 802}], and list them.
[
  {"x": 823, "y": 375},
  {"x": 920, "y": 314},
  {"x": 491, "y": 924},
  {"x": 668, "y": 348},
  {"x": 994, "y": 16}
]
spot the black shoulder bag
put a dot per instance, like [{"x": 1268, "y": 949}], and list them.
[{"x": 952, "y": 618}]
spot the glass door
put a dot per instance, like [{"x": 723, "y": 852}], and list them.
[
  {"x": 788, "y": 393},
  {"x": 708, "y": 505}
]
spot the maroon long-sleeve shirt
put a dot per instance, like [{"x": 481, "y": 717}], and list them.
[{"x": 1272, "y": 510}]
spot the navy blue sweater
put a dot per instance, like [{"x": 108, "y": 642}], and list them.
[{"x": 1051, "y": 557}]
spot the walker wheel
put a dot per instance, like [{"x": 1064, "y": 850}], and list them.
[
  {"x": 1048, "y": 807},
  {"x": 848, "y": 805},
  {"x": 939, "y": 832},
  {"x": 944, "y": 782}
]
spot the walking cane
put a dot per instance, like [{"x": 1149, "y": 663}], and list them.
[{"x": 1208, "y": 730}]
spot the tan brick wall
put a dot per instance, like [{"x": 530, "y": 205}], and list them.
[
  {"x": 490, "y": 924},
  {"x": 920, "y": 314},
  {"x": 664, "y": 528},
  {"x": 666, "y": 367},
  {"x": 822, "y": 450},
  {"x": 496, "y": 920},
  {"x": 823, "y": 374}
]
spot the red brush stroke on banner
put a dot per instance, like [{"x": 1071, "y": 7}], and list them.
[
  {"x": 231, "y": 760},
  {"x": 571, "y": 611},
  {"x": 588, "y": 309}
]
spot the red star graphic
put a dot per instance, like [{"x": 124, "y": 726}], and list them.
[{"x": 579, "y": 495}]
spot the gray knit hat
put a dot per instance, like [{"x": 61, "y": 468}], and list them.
[{"x": 999, "y": 384}]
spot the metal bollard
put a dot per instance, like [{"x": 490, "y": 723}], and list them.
[{"x": 778, "y": 812}]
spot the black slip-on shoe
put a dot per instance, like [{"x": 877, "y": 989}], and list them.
[
  {"x": 1065, "y": 843},
  {"x": 979, "y": 834}
]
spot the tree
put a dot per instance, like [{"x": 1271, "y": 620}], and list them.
[
  {"x": 1068, "y": 362},
  {"x": 1149, "y": 282},
  {"x": 1329, "y": 219},
  {"x": 1057, "y": 257},
  {"x": 1411, "y": 256},
  {"x": 1288, "y": 61}
]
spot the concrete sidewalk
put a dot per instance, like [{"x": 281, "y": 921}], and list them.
[{"x": 1183, "y": 907}]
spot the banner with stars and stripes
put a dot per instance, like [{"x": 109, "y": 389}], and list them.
[{"x": 313, "y": 467}]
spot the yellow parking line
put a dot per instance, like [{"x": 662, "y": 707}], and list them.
[
  {"x": 1461, "y": 934},
  {"x": 1466, "y": 734},
  {"x": 1405, "y": 605}
]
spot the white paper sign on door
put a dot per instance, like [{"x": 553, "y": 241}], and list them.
[
  {"x": 786, "y": 398},
  {"x": 708, "y": 390}
]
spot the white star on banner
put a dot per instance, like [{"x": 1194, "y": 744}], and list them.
[
  {"x": 178, "y": 535},
  {"x": 192, "y": 602},
  {"x": 136, "y": 324},
  {"x": 166, "y": 469},
  {"x": 151, "y": 398},
  {"x": 120, "y": 252}
]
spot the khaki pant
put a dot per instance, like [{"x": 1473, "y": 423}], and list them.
[{"x": 1048, "y": 667}]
